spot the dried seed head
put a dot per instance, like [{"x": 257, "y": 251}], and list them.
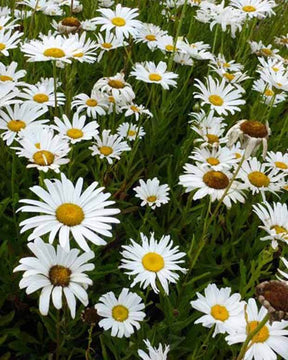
[{"x": 90, "y": 316}]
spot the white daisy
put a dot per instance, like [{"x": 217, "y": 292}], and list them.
[
  {"x": 149, "y": 72},
  {"x": 276, "y": 79},
  {"x": 260, "y": 49},
  {"x": 121, "y": 315},
  {"x": 9, "y": 74},
  {"x": 277, "y": 161},
  {"x": 93, "y": 105},
  {"x": 197, "y": 50},
  {"x": 222, "y": 97},
  {"x": 21, "y": 116},
  {"x": 269, "y": 96},
  {"x": 130, "y": 131},
  {"x": 76, "y": 130},
  {"x": 268, "y": 342},
  {"x": 151, "y": 261},
  {"x": 282, "y": 40},
  {"x": 221, "y": 309},
  {"x": 66, "y": 211},
  {"x": 121, "y": 20},
  {"x": 107, "y": 43},
  {"x": 149, "y": 34},
  {"x": 275, "y": 221},
  {"x": 7, "y": 23},
  {"x": 84, "y": 49},
  {"x": 57, "y": 273},
  {"x": 136, "y": 110},
  {"x": 220, "y": 62},
  {"x": 109, "y": 147},
  {"x": 152, "y": 193},
  {"x": 154, "y": 354},
  {"x": 9, "y": 40},
  {"x": 255, "y": 8}
]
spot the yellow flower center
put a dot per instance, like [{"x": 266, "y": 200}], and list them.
[
  {"x": 59, "y": 275},
  {"x": 150, "y": 37},
  {"x": 279, "y": 229},
  {"x": 5, "y": 78},
  {"x": 134, "y": 108},
  {"x": 212, "y": 138},
  {"x": 40, "y": 98},
  {"x": 226, "y": 65},
  {"x": 216, "y": 180},
  {"x": 254, "y": 128},
  {"x": 74, "y": 133},
  {"x": 106, "y": 150},
  {"x": 219, "y": 312},
  {"x": 170, "y": 48},
  {"x": 261, "y": 336},
  {"x": 153, "y": 262},
  {"x": 37, "y": 145},
  {"x": 216, "y": 100},
  {"x": 258, "y": 179},
  {"x": 111, "y": 99},
  {"x": 54, "y": 53},
  {"x": 248, "y": 8},
  {"x": 118, "y": 21},
  {"x": 213, "y": 161},
  {"x": 281, "y": 165},
  {"x": 274, "y": 68},
  {"x": 120, "y": 313},
  {"x": 266, "y": 52},
  {"x": 117, "y": 84},
  {"x": 279, "y": 84},
  {"x": 43, "y": 158},
  {"x": 269, "y": 92},
  {"x": 155, "y": 77},
  {"x": 71, "y": 21},
  {"x": 91, "y": 102},
  {"x": 131, "y": 133},
  {"x": 78, "y": 55},
  {"x": 2, "y": 46},
  {"x": 238, "y": 156},
  {"x": 107, "y": 45},
  {"x": 16, "y": 125},
  {"x": 152, "y": 198},
  {"x": 70, "y": 214},
  {"x": 229, "y": 76}
]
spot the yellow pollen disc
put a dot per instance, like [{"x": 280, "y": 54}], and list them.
[
  {"x": 116, "y": 84},
  {"x": 238, "y": 156},
  {"x": 2, "y": 46},
  {"x": 254, "y": 128},
  {"x": 111, "y": 99},
  {"x": 212, "y": 138},
  {"x": 131, "y": 133},
  {"x": 150, "y": 37},
  {"x": 216, "y": 100},
  {"x": 213, "y": 161},
  {"x": 228, "y": 76},
  {"x": 268, "y": 92},
  {"x": 170, "y": 47},
  {"x": 279, "y": 84},
  {"x": 16, "y": 125},
  {"x": 70, "y": 214},
  {"x": 153, "y": 262},
  {"x": 78, "y": 55},
  {"x": 258, "y": 179},
  {"x": 155, "y": 77},
  {"x": 43, "y": 158},
  {"x": 279, "y": 229},
  {"x": 120, "y": 313},
  {"x": 274, "y": 68},
  {"x": 37, "y": 145},
  {"x": 216, "y": 180},
  {"x": 71, "y": 21},
  {"x": 134, "y": 108},
  {"x": 248, "y": 8},
  {"x": 91, "y": 102},
  {"x": 1, "y": 27},
  {"x": 107, "y": 45},
  {"x": 266, "y": 51},
  {"x": 5, "y": 78},
  {"x": 219, "y": 312},
  {"x": 118, "y": 21},
  {"x": 54, "y": 53},
  {"x": 226, "y": 65},
  {"x": 40, "y": 98},
  {"x": 281, "y": 165},
  {"x": 59, "y": 275},
  {"x": 74, "y": 133},
  {"x": 106, "y": 150},
  {"x": 152, "y": 198},
  {"x": 261, "y": 336}
]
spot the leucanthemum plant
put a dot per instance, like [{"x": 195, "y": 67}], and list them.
[
  {"x": 153, "y": 353},
  {"x": 94, "y": 105},
  {"x": 152, "y": 193}
]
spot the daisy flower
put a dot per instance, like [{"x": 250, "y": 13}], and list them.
[
  {"x": 277, "y": 79},
  {"x": 282, "y": 40},
  {"x": 94, "y": 105},
  {"x": 183, "y": 59},
  {"x": 269, "y": 96},
  {"x": 115, "y": 86},
  {"x": 223, "y": 98},
  {"x": 221, "y": 309},
  {"x": 8, "y": 94},
  {"x": 9, "y": 41},
  {"x": 150, "y": 35},
  {"x": 167, "y": 44},
  {"x": 152, "y": 193},
  {"x": 76, "y": 130},
  {"x": 84, "y": 50},
  {"x": 275, "y": 221},
  {"x": 277, "y": 161},
  {"x": 121, "y": 315},
  {"x": 9, "y": 74},
  {"x": 151, "y": 261},
  {"x": 149, "y": 72},
  {"x": 109, "y": 147},
  {"x": 212, "y": 183},
  {"x": 107, "y": 43},
  {"x": 66, "y": 211},
  {"x": 21, "y": 116},
  {"x": 136, "y": 110},
  {"x": 220, "y": 62},
  {"x": 154, "y": 353},
  {"x": 7, "y": 23},
  {"x": 252, "y": 134},
  {"x": 130, "y": 131},
  {"x": 49, "y": 153},
  {"x": 121, "y": 21},
  {"x": 197, "y": 50},
  {"x": 260, "y": 49},
  {"x": 67, "y": 25},
  {"x": 58, "y": 273},
  {"x": 255, "y": 8},
  {"x": 258, "y": 178},
  {"x": 42, "y": 93},
  {"x": 268, "y": 342}
]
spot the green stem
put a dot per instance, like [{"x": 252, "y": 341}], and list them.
[
  {"x": 55, "y": 87},
  {"x": 87, "y": 352},
  {"x": 58, "y": 335}
]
